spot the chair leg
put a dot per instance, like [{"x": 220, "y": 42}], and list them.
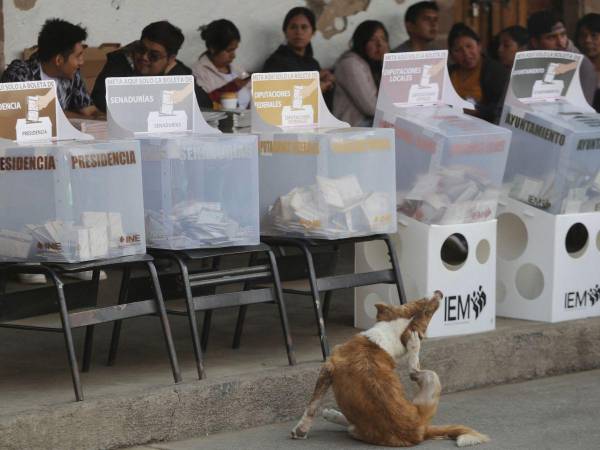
[
  {"x": 66, "y": 326},
  {"x": 326, "y": 303},
  {"x": 206, "y": 328},
  {"x": 237, "y": 337},
  {"x": 312, "y": 278},
  {"x": 164, "y": 321},
  {"x": 116, "y": 333},
  {"x": 329, "y": 294},
  {"x": 192, "y": 319},
  {"x": 289, "y": 346},
  {"x": 396, "y": 268},
  {"x": 89, "y": 330},
  {"x": 216, "y": 260}
]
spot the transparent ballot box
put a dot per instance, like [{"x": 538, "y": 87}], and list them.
[
  {"x": 70, "y": 201},
  {"x": 449, "y": 166},
  {"x": 200, "y": 191},
  {"x": 327, "y": 183},
  {"x": 554, "y": 159}
]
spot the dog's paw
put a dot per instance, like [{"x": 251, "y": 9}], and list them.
[
  {"x": 298, "y": 433},
  {"x": 414, "y": 343},
  {"x": 473, "y": 438}
]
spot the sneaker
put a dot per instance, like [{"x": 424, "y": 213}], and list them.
[
  {"x": 32, "y": 278},
  {"x": 87, "y": 275}
]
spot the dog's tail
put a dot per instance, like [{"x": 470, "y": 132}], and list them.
[{"x": 464, "y": 436}]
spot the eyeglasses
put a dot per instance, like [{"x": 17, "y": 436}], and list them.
[{"x": 153, "y": 55}]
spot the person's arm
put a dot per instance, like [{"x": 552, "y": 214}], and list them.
[
  {"x": 16, "y": 71},
  {"x": 232, "y": 86},
  {"x": 99, "y": 91},
  {"x": 355, "y": 78},
  {"x": 494, "y": 82},
  {"x": 589, "y": 79}
]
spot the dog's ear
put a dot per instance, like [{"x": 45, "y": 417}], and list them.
[{"x": 385, "y": 313}]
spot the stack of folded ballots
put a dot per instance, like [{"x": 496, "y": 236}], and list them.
[
  {"x": 583, "y": 194},
  {"x": 194, "y": 224},
  {"x": 455, "y": 194},
  {"x": 98, "y": 232},
  {"x": 333, "y": 208}
]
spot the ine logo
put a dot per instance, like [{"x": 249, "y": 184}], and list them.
[
  {"x": 577, "y": 299},
  {"x": 460, "y": 308}
]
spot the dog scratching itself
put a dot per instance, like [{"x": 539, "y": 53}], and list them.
[{"x": 369, "y": 394}]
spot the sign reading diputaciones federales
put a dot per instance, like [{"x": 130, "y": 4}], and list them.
[
  {"x": 28, "y": 110},
  {"x": 151, "y": 104}
]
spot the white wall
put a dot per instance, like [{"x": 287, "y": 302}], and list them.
[{"x": 259, "y": 23}]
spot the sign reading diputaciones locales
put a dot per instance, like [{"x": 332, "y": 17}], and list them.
[
  {"x": 413, "y": 78},
  {"x": 286, "y": 99},
  {"x": 28, "y": 110}
]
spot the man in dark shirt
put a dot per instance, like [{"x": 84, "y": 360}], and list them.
[
  {"x": 421, "y": 21},
  {"x": 547, "y": 32},
  {"x": 58, "y": 57},
  {"x": 154, "y": 54}
]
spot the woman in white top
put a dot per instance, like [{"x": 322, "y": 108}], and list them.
[{"x": 214, "y": 70}]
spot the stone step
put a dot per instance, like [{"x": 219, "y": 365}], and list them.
[{"x": 242, "y": 396}]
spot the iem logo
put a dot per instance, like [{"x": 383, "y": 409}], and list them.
[
  {"x": 576, "y": 299},
  {"x": 457, "y": 307}
]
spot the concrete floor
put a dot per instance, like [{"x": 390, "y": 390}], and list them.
[
  {"x": 136, "y": 402},
  {"x": 34, "y": 370},
  {"x": 553, "y": 413}
]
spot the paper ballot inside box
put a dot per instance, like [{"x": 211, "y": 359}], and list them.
[{"x": 334, "y": 207}]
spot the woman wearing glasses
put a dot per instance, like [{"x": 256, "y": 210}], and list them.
[{"x": 154, "y": 54}]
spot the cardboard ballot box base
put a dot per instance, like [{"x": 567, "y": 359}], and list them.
[
  {"x": 457, "y": 259},
  {"x": 548, "y": 265}
]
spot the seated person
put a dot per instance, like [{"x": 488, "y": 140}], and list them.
[
  {"x": 299, "y": 26},
  {"x": 358, "y": 73},
  {"x": 154, "y": 54},
  {"x": 214, "y": 70},
  {"x": 58, "y": 57},
  {"x": 476, "y": 78},
  {"x": 510, "y": 41},
  {"x": 587, "y": 37},
  {"x": 547, "y": 32},
  {"x": 421, "y": 21}
]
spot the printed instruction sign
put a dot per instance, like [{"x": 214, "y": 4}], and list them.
[
  {"x": 151, "y": 104},
  {"x": 543, "y": 76},
  {"x": 28, "y": 111},
  {"x": 286, "y": 99},
  {"x": 413, "y": 78}
]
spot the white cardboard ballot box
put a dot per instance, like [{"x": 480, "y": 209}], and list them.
[
  {"x": 70, "y": 201},
  {"x": 449, "y": 169},
  {"x": 458, "y": 260},
  {"x": 547, "y": 263},
  {"x": 549, "y": 224},
  {"x": 318, "y": 177}
]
